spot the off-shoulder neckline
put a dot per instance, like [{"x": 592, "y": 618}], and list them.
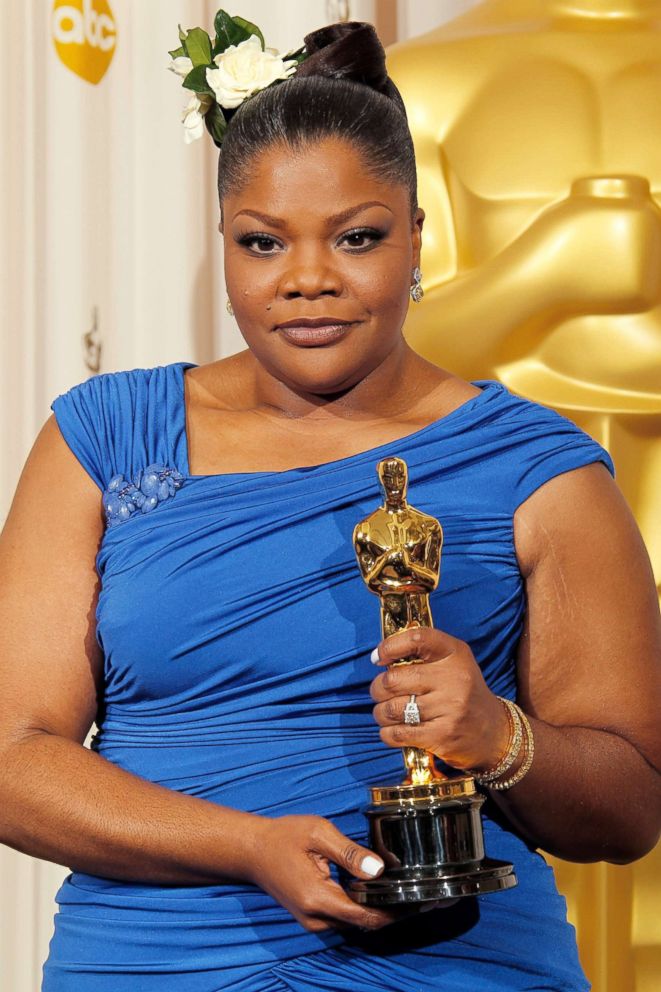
[{"x": 486, "y": 387}]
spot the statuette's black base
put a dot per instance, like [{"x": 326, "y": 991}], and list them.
[
  {"x": 421, "y": 886},
  {"x": 430, "y": 839}
]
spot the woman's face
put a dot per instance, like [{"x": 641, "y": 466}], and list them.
[{"x": 313, "y": 235}]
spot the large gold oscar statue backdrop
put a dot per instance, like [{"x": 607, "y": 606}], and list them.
[{"x": 537, "y": 128}]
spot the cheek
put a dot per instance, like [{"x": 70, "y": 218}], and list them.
[
  {"x": 382, "y": 290},
  {"x": 251, "y": 282}
]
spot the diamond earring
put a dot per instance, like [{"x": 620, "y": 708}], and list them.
[
  {"x": 416, "y": 290},
  {"x": 228, "y": 307}
]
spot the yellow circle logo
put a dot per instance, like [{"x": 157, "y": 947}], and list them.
[{"x": 84, "y": 36}]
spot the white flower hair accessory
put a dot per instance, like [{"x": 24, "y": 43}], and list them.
[
  {"x": 244, "y": 69},
  {"x": 224, "y": 74},
  {"x": 192, "y": 116}
]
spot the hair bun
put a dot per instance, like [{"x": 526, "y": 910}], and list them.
[{"x": 348, "y": 50}]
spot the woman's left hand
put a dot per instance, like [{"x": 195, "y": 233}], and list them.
[{"x": 461, "y": 720}]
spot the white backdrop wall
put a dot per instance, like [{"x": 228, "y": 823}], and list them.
[
  {"x": 417, "y": 16},
  {"x": 109, "y": 228}
]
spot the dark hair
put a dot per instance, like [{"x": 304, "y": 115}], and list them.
[{"x": 341, "y": 90}]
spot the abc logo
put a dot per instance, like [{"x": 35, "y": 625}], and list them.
[{"x": 84, "y": 36}]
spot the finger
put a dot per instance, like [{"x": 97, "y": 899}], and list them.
[
  {"x": 339, "y": 908},
  {"x": 422, "y": 735},
  {"x": 402, "y": 681},
  {"x": 340, "y": 849},
  {"x": 344, "y": 915},
  {"x": 393, "y": 710},
  {"x": 424, "y": 643}
]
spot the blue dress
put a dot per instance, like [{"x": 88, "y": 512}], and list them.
[{"x": 236, "y": 632}]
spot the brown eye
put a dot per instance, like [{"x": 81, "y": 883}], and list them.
[
  {"x": 362, "y": 239},
  {"x": 261, "y": 244}
]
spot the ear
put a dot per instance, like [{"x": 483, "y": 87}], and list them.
[{"x": 416, "y": 235}]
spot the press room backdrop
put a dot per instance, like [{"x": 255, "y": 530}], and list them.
[{"x": 110, "y": 259}]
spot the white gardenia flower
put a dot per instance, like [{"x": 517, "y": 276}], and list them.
[
  {"x": 245, "y": 68},
  {"x": 182, "y": 65},
  {"x": 192, "y": 116}
]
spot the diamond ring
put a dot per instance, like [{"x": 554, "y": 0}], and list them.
[{"x": 411, "y": 711}]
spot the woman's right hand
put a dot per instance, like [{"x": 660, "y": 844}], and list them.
[{"x": 290, "y": 860}]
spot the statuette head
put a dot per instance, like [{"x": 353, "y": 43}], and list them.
[{"x": 393, "y": 476}]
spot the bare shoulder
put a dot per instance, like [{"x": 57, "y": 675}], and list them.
[
  {"x": 50, "y": 467},
  {"x": 458, "y": 391},
  {"x": 48, "y": 593},
  {"x": 582, "y": 509},
  {"x": 435, "y": 392},
  {"x": 577, "y": 535},
  {"x": 590, "y": 653},
  {"x": 224, "y": 384}
]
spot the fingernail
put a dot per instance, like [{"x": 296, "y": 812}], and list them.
[
  {"x": 374, "y": 657},
  {"x": 371, "y": 866}
]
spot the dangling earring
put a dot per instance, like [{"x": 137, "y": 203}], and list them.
[
  {"x": 228, "y": 307},
  {"x": 416, "y": 290}
]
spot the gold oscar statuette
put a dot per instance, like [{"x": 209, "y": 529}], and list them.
[
  {"x": 428, "y": 829},
  {"x": 536, "y": 130}
]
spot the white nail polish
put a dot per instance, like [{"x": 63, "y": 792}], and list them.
[
  {"x": 371, "y": 866},
  {"x": 374, "y": 657}
]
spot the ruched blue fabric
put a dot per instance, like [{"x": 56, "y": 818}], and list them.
[{"x": 236, "y": 633}]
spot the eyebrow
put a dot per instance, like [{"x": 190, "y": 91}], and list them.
[{"x": 334, "y": 219}]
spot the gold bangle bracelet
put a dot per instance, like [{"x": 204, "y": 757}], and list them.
[
  {"x": 527, "y": 761},
  {"x": 512, "y": 751}
]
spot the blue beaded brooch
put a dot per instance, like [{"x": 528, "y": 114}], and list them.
[{"x": 150, "y": 486}]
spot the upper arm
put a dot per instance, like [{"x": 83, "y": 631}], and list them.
[
  {"x": 50, "y": 660},
  {"x": 590, "y": 653}
]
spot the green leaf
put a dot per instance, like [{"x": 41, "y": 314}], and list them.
[
  {"x": 182, "y": 34},
  {"x": 177, "y": 52},
  {"x": 215, "y": 123},
  {"x": 228, "y": 32},
  {"x": 250, "y": 28},
  {"x": 298, "y": 56},
  {"x": 196, "y": 80},
  {"x": 198, "y": 46}
]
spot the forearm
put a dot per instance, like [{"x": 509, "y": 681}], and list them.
[
  {"x": 66, "y": 804},
  {"x": 589, "y": 796}
]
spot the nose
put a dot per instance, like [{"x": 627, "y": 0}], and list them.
[{"x": 310, "y": 273}]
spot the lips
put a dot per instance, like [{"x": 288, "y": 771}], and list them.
[
  {"x": 314, "y": 331},
  {"x": 313, "y": 322}
]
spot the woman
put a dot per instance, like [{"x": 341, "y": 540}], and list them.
[{"x": 223, "y": 644}]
